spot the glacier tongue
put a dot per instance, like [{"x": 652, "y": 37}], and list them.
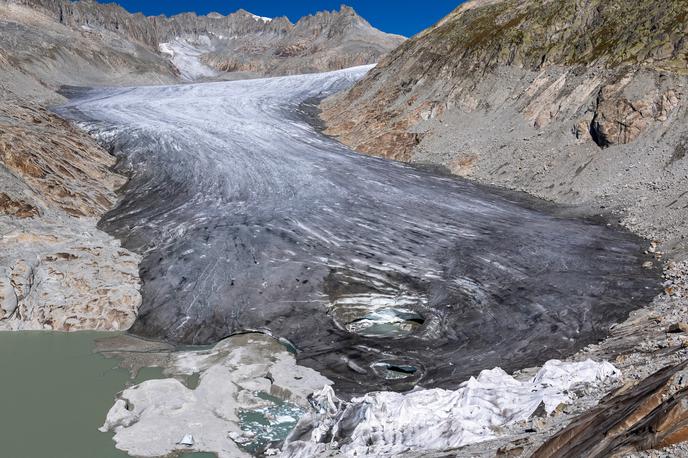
[
  {"x": 382, "y": 275},
  {"x": 388, "y": 423}
]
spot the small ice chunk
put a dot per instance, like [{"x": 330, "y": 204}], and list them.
[
  {"x": 187, "y": 440},
  {"x": 241, "y": 438}
]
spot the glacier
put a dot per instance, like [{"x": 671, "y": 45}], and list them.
[{"x": 381, "y": 275}]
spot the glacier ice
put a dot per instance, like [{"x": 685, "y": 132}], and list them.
[{"x": 249, "y": 219}]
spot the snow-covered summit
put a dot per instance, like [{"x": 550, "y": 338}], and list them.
[{"x": 261, "y": 18}]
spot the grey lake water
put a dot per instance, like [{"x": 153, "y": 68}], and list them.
[{"x": 55, "y": 392}]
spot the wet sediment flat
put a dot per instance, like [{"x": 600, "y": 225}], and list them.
[{"x": 382, "y": 275}]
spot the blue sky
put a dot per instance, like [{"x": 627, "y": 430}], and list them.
[{"x": 405, "y": 17}]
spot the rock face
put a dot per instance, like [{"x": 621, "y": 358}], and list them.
[
  {"x": 618, "y": 120},
  {"x": 652, "y": 414},
  {"x": 40, "y": 54},
  {"x": 567, "y": 100},
  {"x": 239, "y": 42},
  {"x": 57, "y": 271}
]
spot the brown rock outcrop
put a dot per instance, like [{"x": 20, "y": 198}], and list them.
[
  {"x": 58, "y": 162},
  {"x": 619, "y": 120},
  {"x": 57, "y": 271},
  {"x": 652, "y": 414},
  {"x": 18, "y": 208}
]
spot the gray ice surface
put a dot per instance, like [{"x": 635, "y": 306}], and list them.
[{"x": 249, "y": 219}]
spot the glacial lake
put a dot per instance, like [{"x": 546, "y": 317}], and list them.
[{"x": 54, "y": 394}]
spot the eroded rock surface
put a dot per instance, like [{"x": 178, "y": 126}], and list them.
[
  {"x": 652, "y": 414},
  {"x": 57, "y": 271},
  {"x": 618, "y": 120}
]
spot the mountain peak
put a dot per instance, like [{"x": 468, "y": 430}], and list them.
[{"x": 346, "y": 9}]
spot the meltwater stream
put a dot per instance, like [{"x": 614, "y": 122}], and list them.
[{"x": 382, "y": 275}]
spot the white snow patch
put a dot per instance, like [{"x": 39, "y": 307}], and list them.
[
  {"x": 390, "y": 423},
  {"x": 186, "y": 57},
  {"x": 261, "y": 18}
]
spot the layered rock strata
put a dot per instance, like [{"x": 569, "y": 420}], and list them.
[
  {"x": 652, "y": 414},
  {"x": 57, "y": 271}
]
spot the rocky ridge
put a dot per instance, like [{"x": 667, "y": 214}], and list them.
[
  {"x": 321, "y": 42},
  {"x": 40, "y": 55},
  {"x": 239, "y": 42},
  {"x": 590, "y": 105}
]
